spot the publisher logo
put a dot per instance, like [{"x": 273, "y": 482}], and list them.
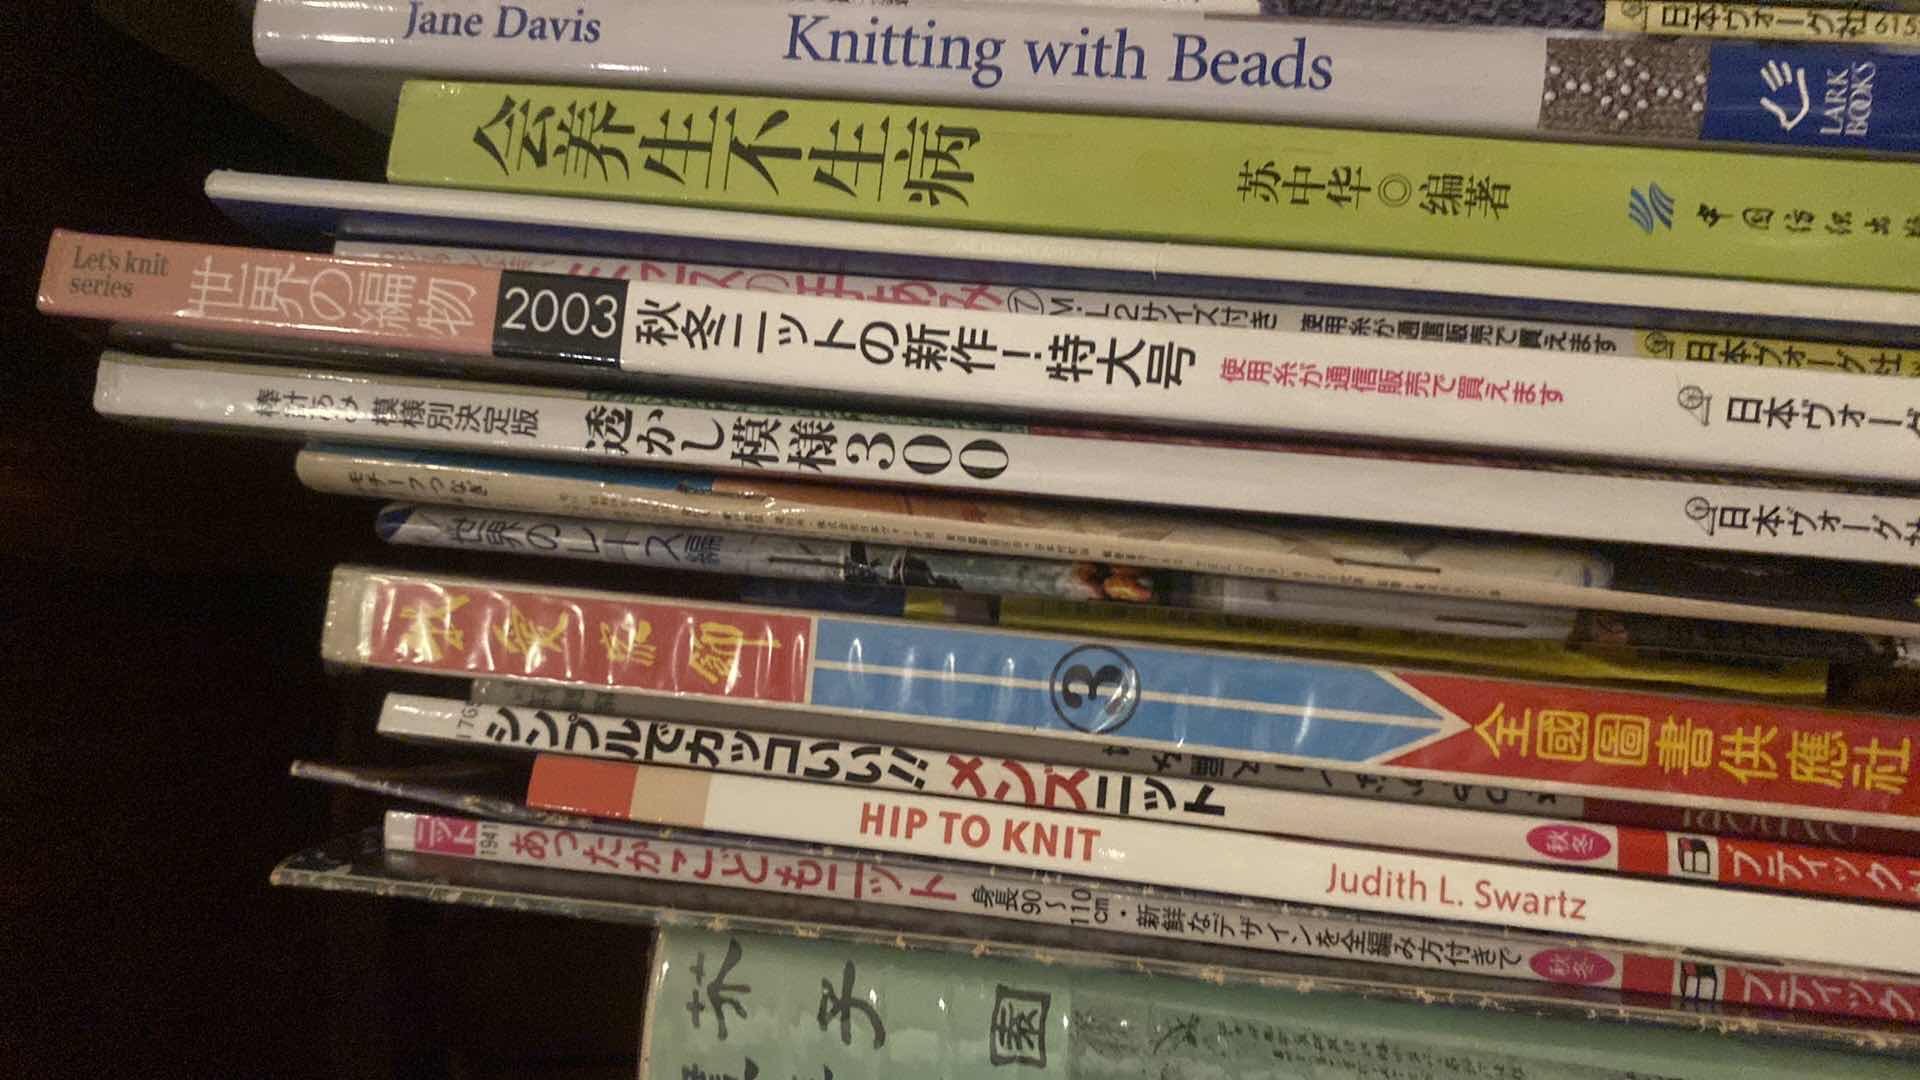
[
  {"x": 1576, "y": 966},
  {"x": 1569, "y": 843},
  {"x": 445, "y": 835},
  {"x": 1095, "y": 689},
  {"x": 1786, "y": 97},
  {"x": 1650, "y": 208}
]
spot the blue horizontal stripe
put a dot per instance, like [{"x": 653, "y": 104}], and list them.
[
  {"x": 1004, "y": 654},
  {"x": 1188, "y": 727}
]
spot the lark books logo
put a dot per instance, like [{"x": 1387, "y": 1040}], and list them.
[{"x": 1786, "y": 97}]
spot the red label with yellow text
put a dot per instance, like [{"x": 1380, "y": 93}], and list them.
[
  {"x": 1753, "y": 753},
  {"x": 672, "y": 648}
]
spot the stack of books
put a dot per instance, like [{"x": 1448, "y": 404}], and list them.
[{"x": 1108, "y": 497}]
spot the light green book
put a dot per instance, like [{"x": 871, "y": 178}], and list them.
[
  {"x": 743, "y": 1007},
  {"x": 1829, "y": 221}
]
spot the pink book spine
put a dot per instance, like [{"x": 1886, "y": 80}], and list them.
[{"x": 373, "y": 303}]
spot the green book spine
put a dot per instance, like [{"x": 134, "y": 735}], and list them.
[
  {"x": 1802, "y": 219},
  {"x": 741, "y": 1006}
]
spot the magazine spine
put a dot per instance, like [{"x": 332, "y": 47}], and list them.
[
  {"x": 1813, "y": 24},
  {"x": 1148, "y": 59},
  {"x": 1710, "y": 212},
  {"x": 1084, "y": 905},
  {"x": 1241, "y": 864},
  {"x": 638, "y": 496},
  {"x": 1188, "y": 377},
  {"x": 1007, "y": 292},
  {"x": 1565, "y": 739},
  {"x": 1495, "y": 799},
  {"x": 1250, "y": 477},
  {"x": 862, "y": 563},
  {"x": 879, "y": 765}
]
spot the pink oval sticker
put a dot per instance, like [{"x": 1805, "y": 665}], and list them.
[
  {"x": 1576, "y": 966},
  {"x": 1569, "y": 843}
]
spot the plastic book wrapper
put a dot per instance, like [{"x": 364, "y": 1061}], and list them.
[
  {"x": 357, "y": 864},
  {"x": 1139, "y": 918},
  {"x": 1144, "y": 604},
  {"x": 725, "y": 1003},
  {"x": 1761, "y": 595},
  {"x": 1407, "y": 560},
  {"x": 587, "y": 759},
  {"x": 775, "y": 663}
]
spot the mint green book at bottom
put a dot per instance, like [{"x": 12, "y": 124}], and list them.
[{"x": 734, "y": 1006}]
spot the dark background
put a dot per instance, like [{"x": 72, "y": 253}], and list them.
[{"x": 160, "y": 604}]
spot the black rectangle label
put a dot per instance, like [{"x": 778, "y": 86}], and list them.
[{"x": 559, "y": 317}]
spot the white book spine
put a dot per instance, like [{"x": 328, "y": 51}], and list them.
[
  {"x": 1009, "y": 460},
  {"x": 1714, "y": 416},
  {"x": 1017, "y": 897},
  {"x": 445, "y": 215},
  {"x": 1272, "y": 868},
  {"x": 1154, "y": 59},
  {"x": 884, "y": 766},
  {"x": 1191, "y": 377}
]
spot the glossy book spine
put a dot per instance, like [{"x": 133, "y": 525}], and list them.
[
  {"x": 860, "y": 563},
  {"x": 620, "y": 742},
  {"x": 1702, "y": 752}
]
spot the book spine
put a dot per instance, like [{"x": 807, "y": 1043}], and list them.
[
  {"x": 1717, "y": 638},
  {"x": 1514, "y": 81},
  {"x": 1813, "y": 25},
  {"x": 979, "y": 294},
  {"x": 967, "y": 1015},
  {"x": 1798, "y": 680},
  {"x": 1195, "y": 377},
  {"x": 623, "y": 741},
  {"x": 1165, "y": 765},
  {"x": 1090, "y": 905},
  {"x": 1031, "y": 528},
  {"x": 1195, "y": 474},
  {"x": 1277, "y": 549},
  {"x": 1240, "y": 864},
  {"x": 860, "y": 563},
  {"x": 1826, "y": 221},
  {"x": 1588, "y": 741},
  {"x": 305, "y": 212}
]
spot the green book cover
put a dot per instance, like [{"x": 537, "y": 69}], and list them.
[
  {"x": 735, "y": 1006},
  {"x": 1804, "y": 219}
]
